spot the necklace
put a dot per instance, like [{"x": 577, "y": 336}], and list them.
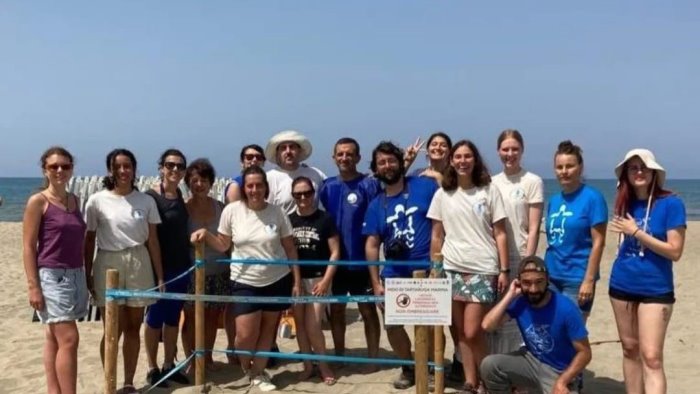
[{"x": 63, "y": 200}]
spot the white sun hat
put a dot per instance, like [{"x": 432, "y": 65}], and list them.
[
  {"x": 649, "y": 161},
  {"x": 288, "y": 136}
]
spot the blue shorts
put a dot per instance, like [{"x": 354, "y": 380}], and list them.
[
  {"x": 65, "y": 294},
  {"x": 168, "y": 311},
  {"x": 570, "y": 291}
]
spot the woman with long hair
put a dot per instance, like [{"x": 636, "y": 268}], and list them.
[
  {"x": 258, "y": 231},
  {"x": 575, "y": 223},
  {"x": 438, "y": 147},
  {"x": 652, "y": 223},
  {"x": 316, "y": 238},
  {"x": 53, "y": 234},
  {"x": 469, "y": 230},
  {"x": 523, "y": 197},
  {"x": 121, "y": 223},
  {"x": 163, "y": 317},
  {"x": 251, "y": 155},
  {"x": 205, "y": 212}
]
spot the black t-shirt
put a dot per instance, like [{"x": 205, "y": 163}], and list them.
[
  {"x": 311, "y": 235},
  {"x": 173, "y": 234}
]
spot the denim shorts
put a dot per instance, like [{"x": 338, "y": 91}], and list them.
[
  {"x": 570, "y": 291},
  {"x": 65, "y": 294}
]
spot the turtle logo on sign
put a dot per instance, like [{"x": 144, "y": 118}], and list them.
[{"x": 403, "y": 300}]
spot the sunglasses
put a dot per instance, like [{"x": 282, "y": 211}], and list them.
[
  {"x": 55, "y": 167},
  {"x": 251, "y": 156},
  {"x": 304, "y": 194},
  {"x": 636, "y": 169},
  {"x": 174, "y": 166}
]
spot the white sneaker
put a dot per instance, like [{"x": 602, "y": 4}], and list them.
[{"x": 263, "y": 382}]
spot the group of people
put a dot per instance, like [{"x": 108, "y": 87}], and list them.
[{"x": 485, "y": 227}]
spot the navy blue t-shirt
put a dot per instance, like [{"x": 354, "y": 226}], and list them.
[
  {"x": 346, "y": 202},
  {"x": 648, "y": 273},
  {"x": 549, "y": 331},
  {"x": 404, "y": 216}
]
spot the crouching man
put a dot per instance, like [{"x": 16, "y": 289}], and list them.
[{"x": 556, "y": 341}]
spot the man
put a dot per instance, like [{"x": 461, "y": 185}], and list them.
[
  {"x": 556, "y": 341},
  {"x": 346, "y": 198},
  {"x": 288, "y": 149},
  {"x": 397, "y": 218}
]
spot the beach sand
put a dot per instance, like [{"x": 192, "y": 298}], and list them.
[{"x": 22, "y": 340}]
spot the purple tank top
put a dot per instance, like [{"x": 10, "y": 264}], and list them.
[{"x": 61, "y": 239}]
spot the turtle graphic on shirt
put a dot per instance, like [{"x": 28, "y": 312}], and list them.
[{"x": 539, "y": 339}]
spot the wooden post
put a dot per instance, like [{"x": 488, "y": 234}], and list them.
[
  {"x": 111, "y": 334},
  {"x": 439, "y": 337},
  {"x": 199, "y": 318},
  {"x": 421, "y": 354}
]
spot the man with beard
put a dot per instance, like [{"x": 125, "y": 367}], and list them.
[
  {"x": 397, "y": 218},
  {"x": 556, "y": 341},
  {"x": 346, "y": 198},
  {"x": 288, "y": 149}
]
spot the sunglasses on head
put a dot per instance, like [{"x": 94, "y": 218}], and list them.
[
  {"x": 251, "y": 156},
  {"x": 304, "y": 194},
  {"x": 55, "y": 167},
  {"x": 174, "y": 166}
]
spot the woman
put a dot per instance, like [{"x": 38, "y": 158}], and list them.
[
  {"x": 121, "y": 222},
  {"x": 316, "y": 238},
  {"x": 523, "y": 197},
  {"x": 205, "y": 212},
  {"x": 163, "y": 317},
  {"x": 469, "y": 230},
  {"x": 257, "y": 231},
  {"x": 251, "y": 155},
  {"x": 575, "y": 224},
  {"x": 438, "y": 145},
  {"x": 53, "y": 236},
  {"x": 652, "y": 221}
]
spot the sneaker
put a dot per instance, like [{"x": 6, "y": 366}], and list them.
[
  {"x": 263, "y": 382},
  {"x": 456, "y": 372},
  {"x": 406, "y": 379},
  {"x": 154, "y": 376},
  {"x": 177, "y": 376}
]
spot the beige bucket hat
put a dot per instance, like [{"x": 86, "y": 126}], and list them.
[
  {"x": 288, "y": 136},
  {"x": 648, "y": 159}
]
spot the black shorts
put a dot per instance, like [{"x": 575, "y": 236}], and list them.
[
  {"x": 353, "y": 282},
  {"x": 281, "y": 288},
  {"x": 668, "y": 298}
]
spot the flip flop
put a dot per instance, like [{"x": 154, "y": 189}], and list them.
[{"x": 329, "y": 380}]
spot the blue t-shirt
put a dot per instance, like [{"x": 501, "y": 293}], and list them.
[
  {"x": 347, "y": 202},
  {"x": 549, "y": 332},
  {"x": 568, "y": 223},
  {"x": 238, "y": 180},
  {"x": 649, "y": 274},
  {"x": 404, "y": 215}
]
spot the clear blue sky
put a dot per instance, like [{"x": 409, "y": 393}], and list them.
[{"x": 210, "y": 76}]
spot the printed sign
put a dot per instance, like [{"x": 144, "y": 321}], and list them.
[{"x": 418, "y": 301}]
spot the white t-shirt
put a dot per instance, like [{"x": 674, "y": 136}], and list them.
[
  {"x": 467, "y": 217},
  {"x": 281, "y": 184},
  {"x": 120, "y": 222},
  {"x": 256, "y": 235},
  {"x": 519, "y": 191}
]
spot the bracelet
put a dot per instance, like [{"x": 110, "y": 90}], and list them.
[
  {"x": 635, "y": 232},
  {"x": 505, "y": 270}
]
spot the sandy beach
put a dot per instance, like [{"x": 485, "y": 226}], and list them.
[{"x": 22, "y": 340}]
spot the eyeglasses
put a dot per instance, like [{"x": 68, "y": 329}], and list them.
[
  {"x": 304, "y": 194},
  {"x": 174, "y": 166},
  {"x": 256, "y": 156},
  {"x": 636, "y": 169},
  {"x": 55, "y": 167}
]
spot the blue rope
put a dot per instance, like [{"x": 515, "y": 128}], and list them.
[
  {"x": 176, "y": 368},
  {"x": 112, "y": 294},
  {"x": 182, "y": 275},
  {"x": 318, "y": 357},
  {"x": 413, "y": 263}
]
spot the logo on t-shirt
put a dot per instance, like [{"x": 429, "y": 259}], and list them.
[
  {"x": 138, "y": 213},
  {"x": 352, "y": 199},
  {"x": 557, "y": 228},
  {"x": 539, "y": 338},
  {"x": 271, "y": 228},
  {"x": 517, "y": 194},
  {"x": 479, "y": 207},
  {"x": 403, "y": 217},
  {"x": 633, "y": 247}
]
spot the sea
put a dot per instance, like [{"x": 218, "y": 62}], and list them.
[{"x": 15, "y": 191}]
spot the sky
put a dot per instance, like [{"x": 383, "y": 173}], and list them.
[{"x": 208, "y": 77}]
